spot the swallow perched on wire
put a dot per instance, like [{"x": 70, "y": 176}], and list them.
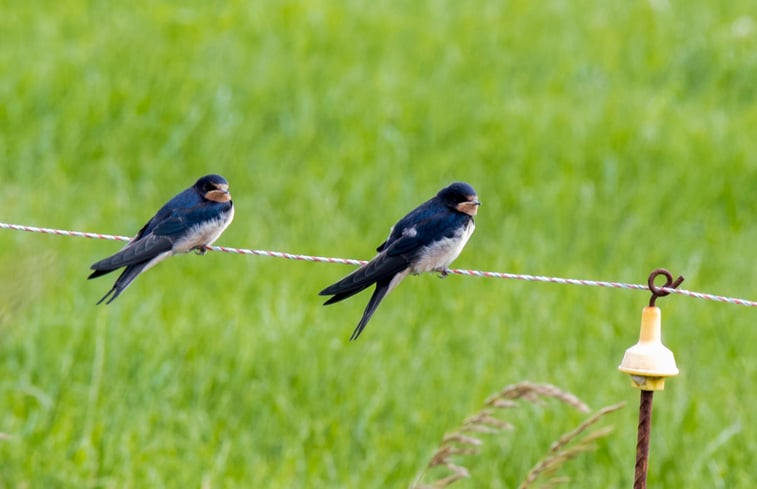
[
  {"x": 191, "y": 220},
  {"x": 427, "y": 239}
]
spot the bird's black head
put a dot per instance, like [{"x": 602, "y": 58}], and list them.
[
  {"x": 213, "y": 187},
  {"x": 461, "y": 197}
]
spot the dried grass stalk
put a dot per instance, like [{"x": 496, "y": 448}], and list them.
[
  {"x": 558, "y": 454},
  {"x": 460, "y": 443},
  {"x": 533, "y": 393}
]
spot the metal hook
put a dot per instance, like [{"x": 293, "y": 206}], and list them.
[{"x": 660, "y": 291}]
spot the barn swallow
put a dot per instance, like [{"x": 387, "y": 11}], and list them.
[
  {"x": 192, "y": 220},
  {"x": 427, "y": 239}
]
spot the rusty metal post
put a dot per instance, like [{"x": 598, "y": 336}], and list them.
[
  {"x": 648, "y": 363},
  {"x": 642, "y": 440}
]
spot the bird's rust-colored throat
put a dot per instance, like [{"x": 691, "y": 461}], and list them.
[
  {"x": 220, "y": 195},
  {"x": 470, "y": 206}
]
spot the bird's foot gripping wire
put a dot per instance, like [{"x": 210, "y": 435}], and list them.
[{"x": 443, "y": 272}]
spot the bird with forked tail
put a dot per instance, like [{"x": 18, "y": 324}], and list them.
[
  {"x": 191, "y": 220},
  {"x": 428, "y": 239}
]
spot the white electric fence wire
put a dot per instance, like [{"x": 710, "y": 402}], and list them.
[{"x": 348, "y": 261}]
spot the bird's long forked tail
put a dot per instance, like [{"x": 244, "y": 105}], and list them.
[
  {"x": 386, "y": 271},
  {"x": 111, "y": 291},
  {"x": 124, "y": 280},
  {"x": 340, "y": 296},
  {"x": 376, "y": 298}
]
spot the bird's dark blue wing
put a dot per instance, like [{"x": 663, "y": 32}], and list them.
[
  {"x": 138, "y": 251},
  {"x": 429, "y": 223},
  {"x": 419, "y": 213},
  {"x": 158, "y": 236},
  {"x": 183, "y": 200},
  {"x": 382, "y": 267},
  {"x": 426, "y": 224}
]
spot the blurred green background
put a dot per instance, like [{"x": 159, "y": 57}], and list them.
[{"x": 605, "y": 139}]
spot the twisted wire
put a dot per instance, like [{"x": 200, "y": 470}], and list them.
[{"x": 457, "y": 271}]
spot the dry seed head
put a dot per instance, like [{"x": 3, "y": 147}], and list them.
[
  {"x": 485, "y": 421},
  {"x": 463, "y": 439}
]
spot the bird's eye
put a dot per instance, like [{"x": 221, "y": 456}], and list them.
[{"x": 209, "y": 187}]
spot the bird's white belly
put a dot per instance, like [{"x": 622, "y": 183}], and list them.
[
  {"x": 205, "y": 234},
  {"x": 439, "y": 255}
]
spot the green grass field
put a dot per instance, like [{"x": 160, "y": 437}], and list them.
[{"x": 605, "y": 139}]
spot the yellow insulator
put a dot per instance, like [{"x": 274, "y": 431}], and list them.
[{"x": 648, "y": 362}]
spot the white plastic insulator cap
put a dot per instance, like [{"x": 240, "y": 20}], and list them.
[{"x": 649, "y": 357}]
